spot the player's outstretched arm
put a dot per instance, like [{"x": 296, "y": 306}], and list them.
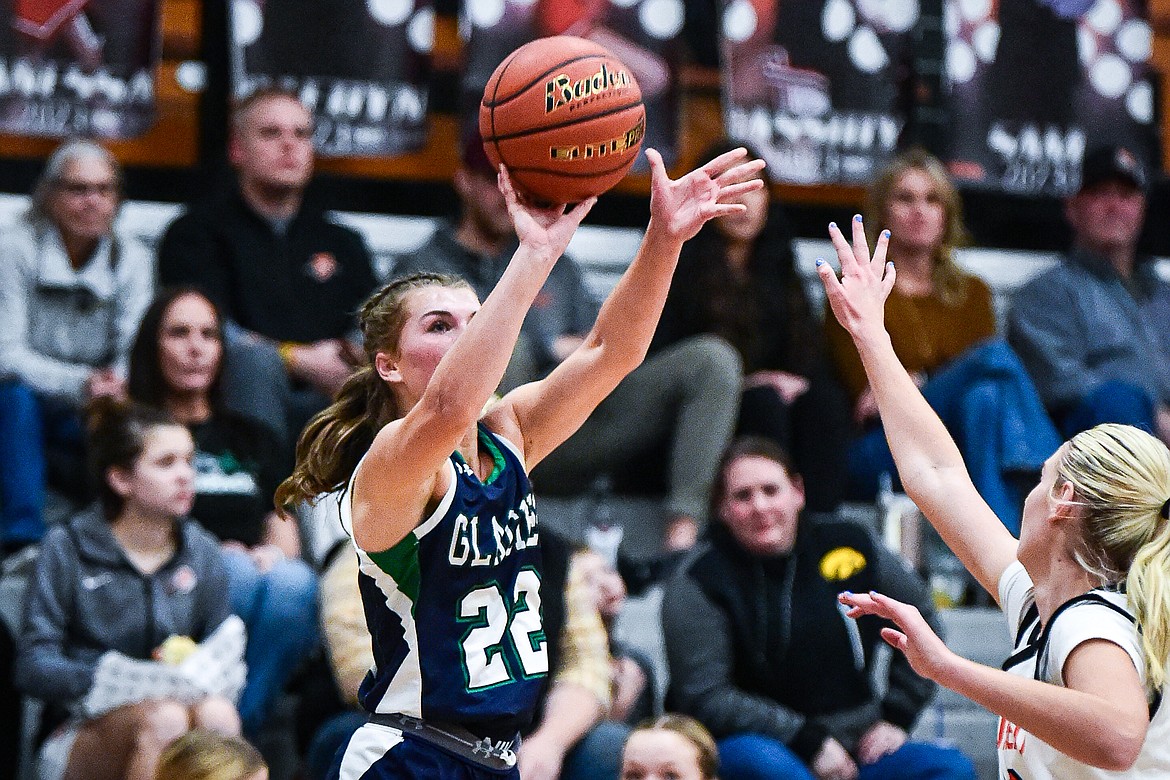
[
  {"x": 929, "y": 463},
  {"x": 549, "y": 411},
  {"x": 1100, "y": 716},
  {"x": 405, "y": 460}
]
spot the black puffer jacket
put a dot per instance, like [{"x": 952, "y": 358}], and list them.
[{"x": 761, "y": 645}]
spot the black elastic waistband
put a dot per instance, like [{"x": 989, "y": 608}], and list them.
[{"x": 496, "y": 755}]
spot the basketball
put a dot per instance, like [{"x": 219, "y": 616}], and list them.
[{"x": 565, "y": 116}]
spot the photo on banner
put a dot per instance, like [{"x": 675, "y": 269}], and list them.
[
  {"x": 361, "y": 66},
  {"x": 79, "y": 67},
  {"x": 816, "y": 86},
  {"x": 646, "y": 35},
  {"x": 1034, "y": 83}
]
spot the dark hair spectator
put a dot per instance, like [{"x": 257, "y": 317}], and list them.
[
  {"x": 176, "y": 365},
  {"x": 737, "y": 279},
  {"x": 134, "y": 586}
]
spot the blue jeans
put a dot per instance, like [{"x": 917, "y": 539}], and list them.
[
  {"x": 279, "y": 608},
  {"x": 29, "y": 427},
  {"x": 757, "y": 757},
  {"x": 990, "y": 406},
  {"x": 1111, "y": 402}
]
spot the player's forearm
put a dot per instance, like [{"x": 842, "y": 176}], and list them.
[
  {"x": 629, "y": 316},
  {"x": 1084, "y": 727}
]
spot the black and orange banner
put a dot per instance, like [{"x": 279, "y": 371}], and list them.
[
  {"x": 1035, "y": 83},
  {"x": 361, "y": 66},
  {"x": 814, "y": 85},
  {"x": 79, "y": 67}
]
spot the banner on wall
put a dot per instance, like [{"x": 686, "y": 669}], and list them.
[
  {"x": 644, "y": 34},
  {"x": 1034, "y": 83},
  {"x": 361, "y": 66},
  {"x": 814, "y": 85},
  {"x": 78, "y": 67}
]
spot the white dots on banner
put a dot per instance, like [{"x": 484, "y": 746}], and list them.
[
  {"x": 661, "y": 19},
  {"x": 960, "y": 62},
  {"x": 986, "y": 40},
  {"x": 1110, "y": 76},
  {"x": 1086, "y": 46},
  {"x": 485, "y": 13},
  {"x": 1139, "y": 102},
  {"x": 247, "y": 22},
  {"x": 739, "y": 21},
  {"x": 1135, "y": 40},
  {"x": 866, "y": 52},
  {"x": 1104, "y": 16},
  {"x": 191, "y": 76},
  {"x": 421, "y": 31},
  {"x": 974, "y": 10},
  {"x": 837, "y": 20},
  {"x": 952, "y": 22},
  {"x": 389, "y": 13},
  {"x": 890, "y": 15},
  {"x": 624, "y": 3}
]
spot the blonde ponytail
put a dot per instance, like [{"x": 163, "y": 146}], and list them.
[{"x": 1148, "y": 588}]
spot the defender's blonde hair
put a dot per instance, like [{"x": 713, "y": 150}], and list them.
[{"x": 1121, "y": 477}]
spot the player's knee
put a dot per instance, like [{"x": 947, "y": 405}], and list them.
[{"x": 713, "y": 359}]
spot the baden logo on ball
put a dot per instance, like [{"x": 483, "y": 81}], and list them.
[{"x": 565, "y": 116}]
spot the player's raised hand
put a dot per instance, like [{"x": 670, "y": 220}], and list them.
[
  {"x": 680, "y": 207},
  {"x": 927, "y": 654},
  {"x": 546, "y": 229},
  {"x": 858, "y": 298}
]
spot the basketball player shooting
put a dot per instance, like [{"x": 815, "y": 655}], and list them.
[{"x": 437, "y": 497}]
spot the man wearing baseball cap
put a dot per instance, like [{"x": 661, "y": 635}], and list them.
[{"x": 1094, "y": 332}]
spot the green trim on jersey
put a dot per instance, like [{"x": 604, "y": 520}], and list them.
[
  {"x": 401, "y": 564},
  {"x": 498, "y": 461}
]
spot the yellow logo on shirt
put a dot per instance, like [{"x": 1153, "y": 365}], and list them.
[{"x": 841, "y": 564}]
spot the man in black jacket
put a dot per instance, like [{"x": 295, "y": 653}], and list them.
[
  {"x": 287, "y": 278},
  {"x": 760, "y": 650}
]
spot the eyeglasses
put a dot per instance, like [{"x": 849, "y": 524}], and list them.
[{"x": 79, "y": 189}]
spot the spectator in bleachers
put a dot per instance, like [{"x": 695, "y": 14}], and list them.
[
  {"x": 761, "y": 655},
  {"x": 942, "y": 324},
  {"x": 577, "y": 736},
  {"x": 1094, "y": 332},
  {"x": 285, "y": 276},
  {"x": 670, "y": 747},
  {"x": 129, "y": 578},
  {"x": 681, "y": 401},
  {"x": 175, "y": 365},
  {"x": 737, "y": 279},
  {"x": 71, "y": 293}
]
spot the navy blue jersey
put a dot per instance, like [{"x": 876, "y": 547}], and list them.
[{"x": 454, "y": 608}]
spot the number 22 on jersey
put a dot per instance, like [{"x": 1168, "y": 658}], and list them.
[{"x": 497, "y": 618}]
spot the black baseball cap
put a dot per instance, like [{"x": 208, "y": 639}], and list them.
[{"x": 1113, "y": 163}]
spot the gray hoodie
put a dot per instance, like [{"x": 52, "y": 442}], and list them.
[{"x": 86, "y": 598}]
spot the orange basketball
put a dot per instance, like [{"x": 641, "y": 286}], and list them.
[{"x": 565, "y": 116}]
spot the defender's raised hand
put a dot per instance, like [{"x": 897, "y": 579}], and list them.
[
  {"x": 858, "y": 298},
  {"x": 680, "y": 207}
]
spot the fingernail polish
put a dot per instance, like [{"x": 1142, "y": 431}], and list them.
[
  {"x": 832, "y": 225},
  {"x": 820, "y": 262},
  {"x": 856, "y": 217},
  {"x": 886, "y": 233}
]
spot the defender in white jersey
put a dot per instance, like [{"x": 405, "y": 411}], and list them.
[
  {"x": 437, "y": 495},
  {"x": 1086, "y": 589}
]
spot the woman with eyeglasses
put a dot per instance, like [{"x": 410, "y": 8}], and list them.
[{"x": 71, "y": 295}]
